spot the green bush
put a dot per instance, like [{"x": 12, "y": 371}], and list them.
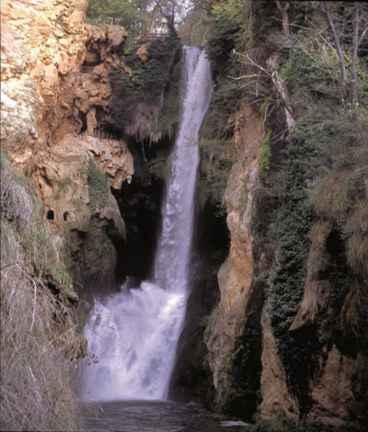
[
  {"x": 16, "y": 201},
  {"x": 292, "y": 220},
  {"x": 123, "y": 12},
  {"x": 265, "y": 155},
  {"x": 97, "y": 186}
]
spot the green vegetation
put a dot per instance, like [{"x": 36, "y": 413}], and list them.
[
  {"x": 283, "y": 425},
  {"x": 38, "y": 337},
  {"x": 128, "y": 13},
  {"x": 265, "y": 156},
  {"x": 146, "y": 99},
  {"x": 139, "y": 17},
  {"x": 214, "y": 170},
  {"x": 22, "y": 210},
  {"x": 168, "y": 119},
  {"x": 314, "y": 172},
  {"x": 36, "y": 391},
  {"x": 308, "y": 57},
  {"x": 292, "y": 222},
  {"x": 98, "y": 186}
]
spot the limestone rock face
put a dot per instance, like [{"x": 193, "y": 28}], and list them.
[
  {"x": 45, "y": 40},
  {"x": 55, "y": 90},
  {"x": 64, "y": 179},
  {"x": 236, "y": 274},
  {"x": 252, "y": 374},
  {"x": 316, "y": 371}
]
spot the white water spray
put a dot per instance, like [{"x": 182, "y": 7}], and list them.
[{"x": 134, "y": 334}]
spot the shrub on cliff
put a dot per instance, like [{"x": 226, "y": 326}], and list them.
[
  {"x": 36, "y": 332},
  {"x": 123, "y": 12}
]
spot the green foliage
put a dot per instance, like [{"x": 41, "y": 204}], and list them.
[
  {"x": 283, "y": 425},
  {"x": 128, "y": 13},
  {"x": 194, "y": 29},
  {"x": 36, "y": 334},
  {"x": 232, "y": 19},
  {"x": 60, "y": 274},
  {"x": 311, "y": 64},
  {"x": 37, "y": 331},
  {"x": 265, "y": 154},
  {"x": 16, "y": 200},
  {"x": 98, "y": 186},
  {"x": 292, "y": 223},
  {"x": 25, "y": 213},
  {"x": 230, "y": 11},
  {"x": 152, "y": 75},
  {"x": 340, "y": 195},
  {"x": 168, "y": 119},
  {"x": 146, "y": 100},
  {"x": 214, "y": 170}
]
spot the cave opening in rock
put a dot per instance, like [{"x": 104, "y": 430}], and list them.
[
  {"x": 140, "y": 204},
  {"x": 50, "y": 215}
]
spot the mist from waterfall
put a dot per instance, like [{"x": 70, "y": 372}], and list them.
[{"x": 133, "y": 334}]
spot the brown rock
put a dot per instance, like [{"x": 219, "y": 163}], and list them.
[
  {"x": 32, "y": 58},
  {"x": 46, "y": 96},
  {"x": 236, "y": 274},
  {"x": 143, "y": 54}
]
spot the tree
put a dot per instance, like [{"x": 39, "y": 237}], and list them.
[
  {"x": 283, "y": 8},
  {"x": 141, "y": 16},
  {"x": 128, "y": 13},
  {"x": 348, "y": 23},
  {"x": 172, "y": 12}
]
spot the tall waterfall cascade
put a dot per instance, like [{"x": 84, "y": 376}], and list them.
[{"x": 133, "y": 334}]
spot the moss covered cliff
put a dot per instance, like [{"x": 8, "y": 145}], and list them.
[{"x": 288, "y": 337}]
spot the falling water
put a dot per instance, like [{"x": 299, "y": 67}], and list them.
[{"x": 133, "y": 334}]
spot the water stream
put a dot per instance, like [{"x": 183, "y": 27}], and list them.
[
  {"x": 133, "y": 334},
  {"x": 155, "y": 416}
]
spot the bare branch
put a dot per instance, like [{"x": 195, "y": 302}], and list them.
[
  {"x": 283, "y": 8},
  {"x": 242, "y": 77},
  {"x": 340, "y": 53},
  {"x": 258, "y": 66},
  {"x": 363, "y": 35},
  {"x": 354, "y": 83}
]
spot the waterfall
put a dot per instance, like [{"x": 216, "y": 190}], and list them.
[{"x": 133, "y": 334}]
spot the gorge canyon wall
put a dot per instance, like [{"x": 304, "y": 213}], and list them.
[{"x": 283, "y": 332}]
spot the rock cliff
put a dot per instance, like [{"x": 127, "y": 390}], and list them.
[
  {"x": 236, "y": 274},
  {"x": 55, "y": 89},
  {"x": 286, "y": 339}
]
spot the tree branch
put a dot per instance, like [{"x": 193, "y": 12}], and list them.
[
  {"x": 362, "y": 35},
  {"x": 354, "y": 80},
  {"x": 340, "y": 53}
]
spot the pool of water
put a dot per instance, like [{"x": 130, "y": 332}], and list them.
[{"x": 154, "y": 416}]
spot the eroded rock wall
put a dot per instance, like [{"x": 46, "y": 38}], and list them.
[
  {"x": 288, "y": 336},
  {"x": 55, "y": 89},
  {"x": 235, "y": 277}
]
